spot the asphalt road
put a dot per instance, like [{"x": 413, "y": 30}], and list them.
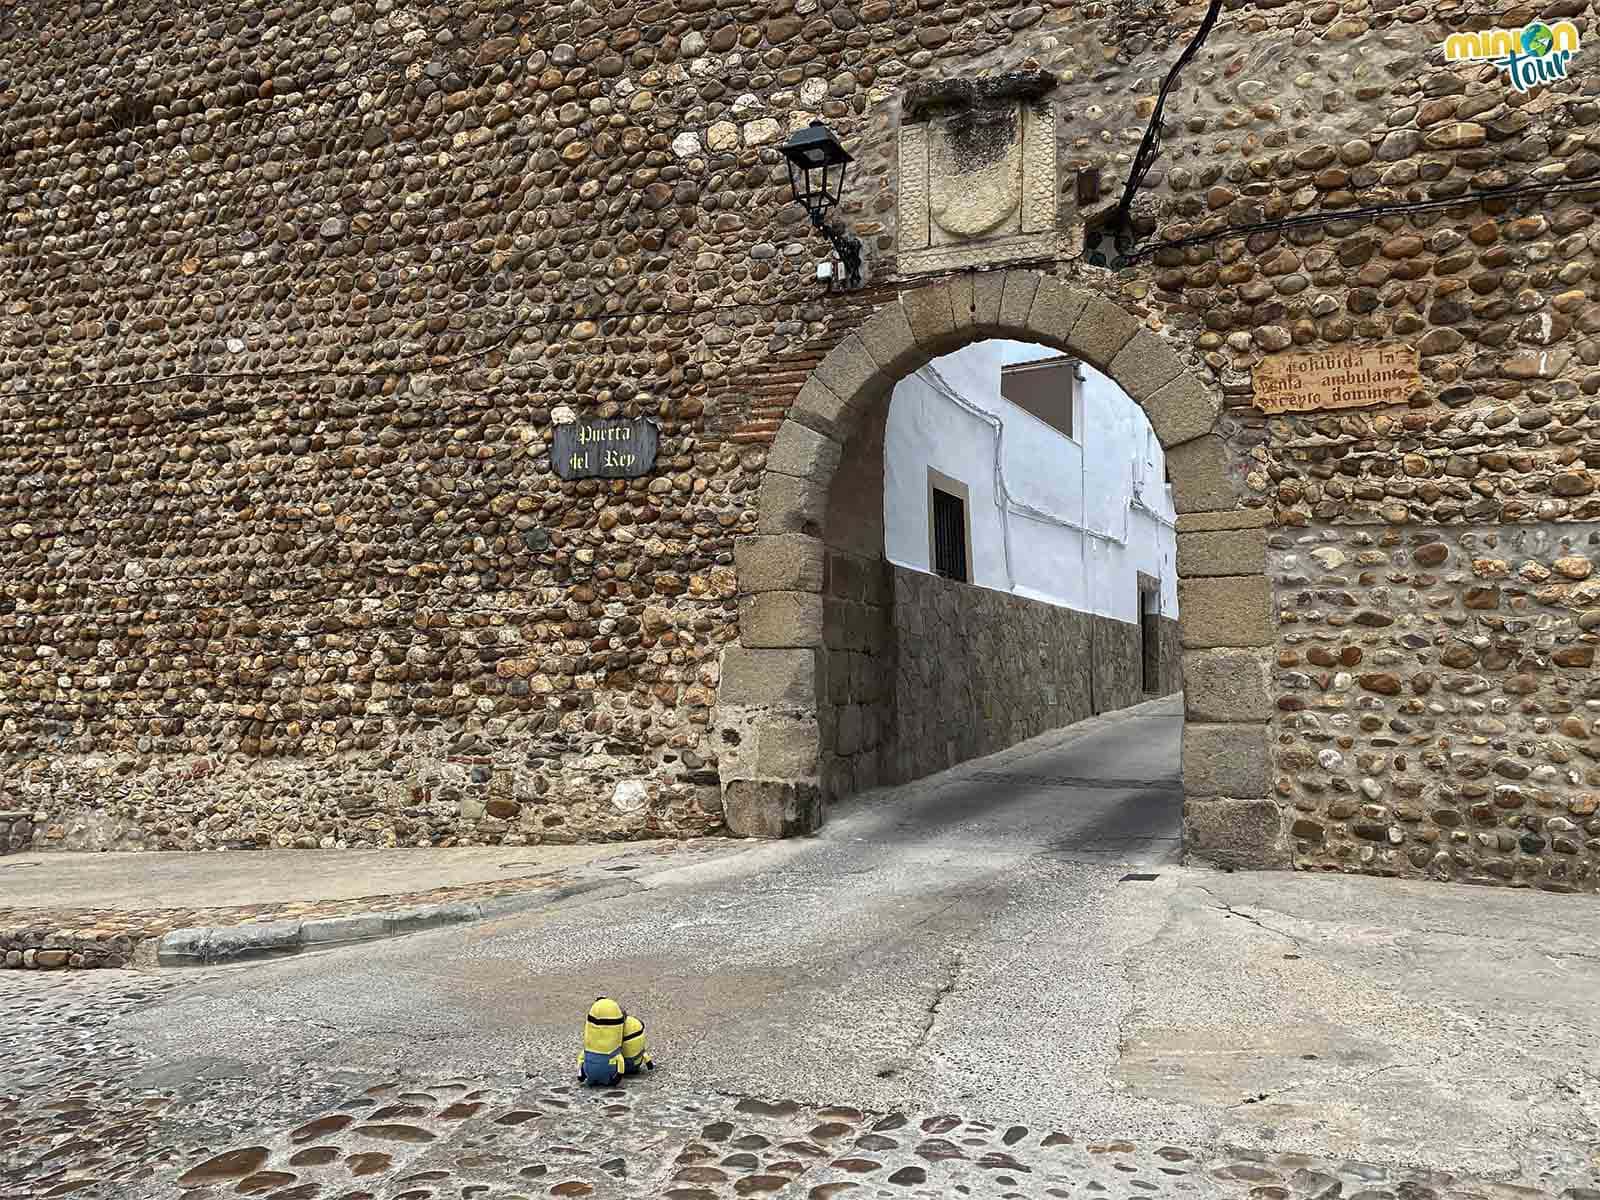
[
  {"x": 969, "y": 944},
  {"x": 821, "y": 968}
]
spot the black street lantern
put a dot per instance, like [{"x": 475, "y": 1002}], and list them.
[
  {"x": 817, "y": 165},
  {"x": 816, "y": 169}
]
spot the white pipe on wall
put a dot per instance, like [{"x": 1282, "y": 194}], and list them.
[
  {"x": 1007, "y": 504},
  {"x": 1003, "y": 497}
]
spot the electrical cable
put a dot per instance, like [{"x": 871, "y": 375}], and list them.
[
  {"x": 1150, "y": 145},
  {"x": 1585, "y": 183},
  {"x": 1148, "y": 153},
  {"x": 1133, "y": 255},
  {"x": 1150, "y": 149}
]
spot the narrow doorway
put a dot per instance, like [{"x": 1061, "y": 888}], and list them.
[{"x": 1150, "y": 634}]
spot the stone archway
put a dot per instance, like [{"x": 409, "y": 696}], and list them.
[{"x": 802, "y": 691}]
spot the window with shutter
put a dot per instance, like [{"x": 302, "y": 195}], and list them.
[{"x": 1046, "y": 388}]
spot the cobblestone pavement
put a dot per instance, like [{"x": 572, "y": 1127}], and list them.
[{"x": 85, "y": 1113}]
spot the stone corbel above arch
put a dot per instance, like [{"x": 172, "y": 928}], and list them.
[{"x": 977, "y": 172}]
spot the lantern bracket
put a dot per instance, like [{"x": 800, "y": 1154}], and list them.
[{"x": 817, "y": 164}]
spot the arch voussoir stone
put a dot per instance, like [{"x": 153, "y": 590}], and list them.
[
  {"x": 963, "y": 293},
  {"x": 755, "y": 678},
  {"x": 932, "y": 318},
  {"x": 789, "y": 504},
  {"x": 780, "y": 620},
  {"x": 1226, "y": 760},
  {"x": 849, "y": 369},
  {"x": 1200, "y": 475},
  {"x": 1235, "y": 834},
  {"x": 1225, "y": 610},
  {"x": 819, "y": 408},
  {"x": 1182, "y": 410},
  {"x": 779, "y": 563},
  {"x": 987, "y": 290},
  {"x": 804, "y": 453},
  {"x": 1056, "y": 308},
  {"x": 1144, "y": 366},
  {"x": 1227, "y": 683},
  {"x": 772, "y": 808},
  {"x": 1222, "y": 552},
  {"x": 1016, "y": 299},
  {"x": 888, "y": 338},
  {"x": 1100, "y": 331}
]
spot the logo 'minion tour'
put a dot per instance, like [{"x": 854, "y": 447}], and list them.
[{"x": 1533, "y": 55}]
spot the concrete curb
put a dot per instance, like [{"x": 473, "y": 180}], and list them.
[{"x": 207, "y": 945}]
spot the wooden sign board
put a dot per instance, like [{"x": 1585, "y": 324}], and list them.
[
  {"x": 605, "y": 449},
  {"x": 1345, "y": 378}
]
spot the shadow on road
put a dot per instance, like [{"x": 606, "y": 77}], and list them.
[{"x": 1099, "y": 787}]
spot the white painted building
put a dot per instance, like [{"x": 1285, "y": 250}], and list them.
[{"x": 1070, "y": 506}]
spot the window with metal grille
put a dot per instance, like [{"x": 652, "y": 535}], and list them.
[{"x": 949, "y": 536}]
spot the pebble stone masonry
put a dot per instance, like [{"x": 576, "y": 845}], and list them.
[{"x": 294, "y": 295}]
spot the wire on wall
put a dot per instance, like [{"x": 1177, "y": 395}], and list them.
[
  {"x": 1150, "y": 145},
  {"x": 1582, "y": 184},
  {"x": 1589, "y": 183}
]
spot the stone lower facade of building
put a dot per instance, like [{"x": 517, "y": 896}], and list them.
[
  {"x": 430, "y": 795},
  {"x": 956, "y": 671},
  {"x": 977, "y": 671}
]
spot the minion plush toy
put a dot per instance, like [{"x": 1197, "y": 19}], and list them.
[
  {"x": 601, "y": 1062},
  {"x": 633, "y": 1051}
]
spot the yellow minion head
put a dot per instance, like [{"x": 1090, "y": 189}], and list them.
[
  {"x": 633, "y": 1044},
  {"x": 602, "y": 1028}
]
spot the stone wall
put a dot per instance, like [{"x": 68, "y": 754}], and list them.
[
  {"x": 1169, "y": 656},
  {"x": 1436, "y": 695},
  {"x": 47, "y": 949},
  {"x": 291, "y": 294},
  {"x": 858, "y": 639},
  {"x": 16, "y": 831},
  {"x": 854, "y": 710},
  {"x": 978, "y": 670}
]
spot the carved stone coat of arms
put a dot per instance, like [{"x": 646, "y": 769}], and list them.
[{"x": 977, "y": 172}]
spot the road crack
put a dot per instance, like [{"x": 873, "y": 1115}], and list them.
[
  {"x": 1223, "y": 906},
  {"x": 952, "y": 978},
  {"x": 1335, "y": 1082}
]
